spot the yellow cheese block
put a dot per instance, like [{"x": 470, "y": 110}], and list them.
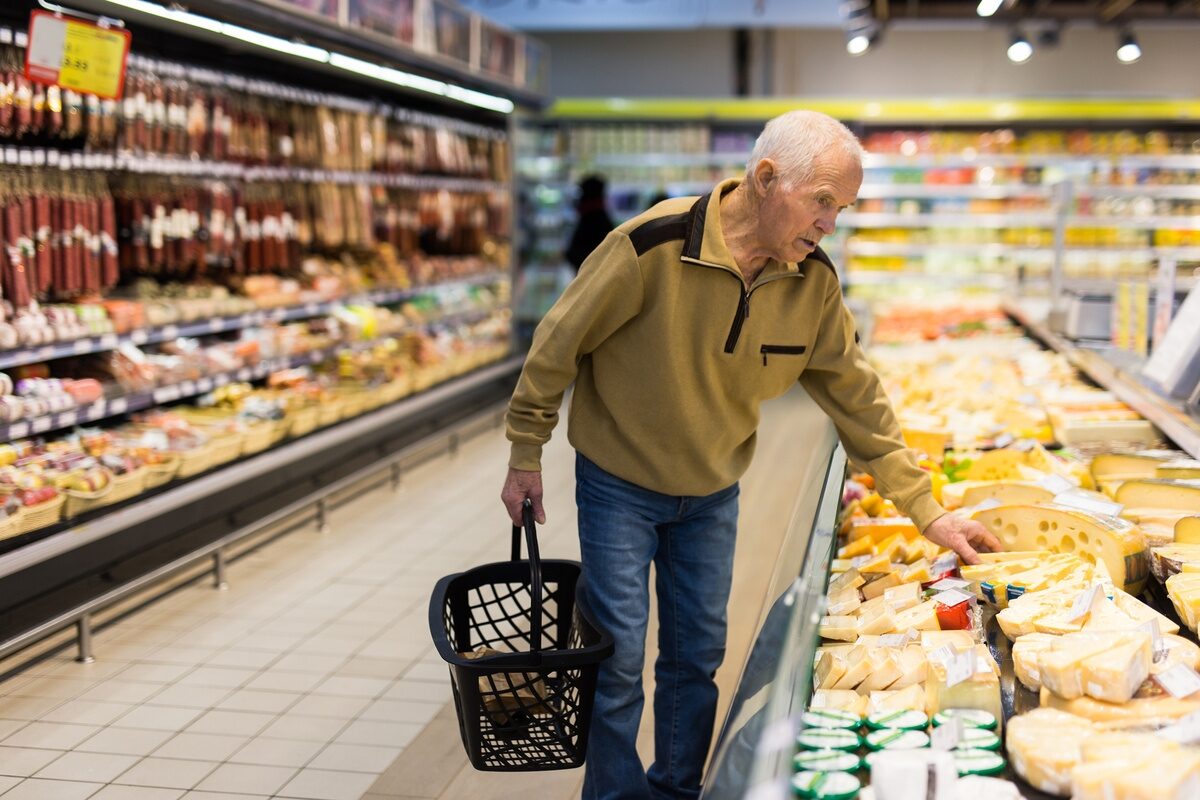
[
  {"x": 935, "y": 639},
  {"x": 879, "y": 621},
  {"x": 880, "y": 584},
  {"x": 1140, "y": 712},
  {"x": 876, "y": 564},
  {"x": 1025, "y": 652},
  {"x": 997, "y": 465},
  {"x": 1174, "y": 470},
  {"x": 1139, "y": 612},
  {"x": 910, "y": 698},
  {"x": 1061, "y": 665},
  {"x": 1187, "y": 530},
  {"x": 981, "y": 690},
  {"x": 921, "y": 617},
  {"x": 850, "y": 579},
  {"x": 906, "y": 595},
  {"x": 917, "y": 572},
  {"x": 1116, "y": 674},
  {"x": 1184, "y": 591},
  {"x": 1007, "y": 493},
  {"x": 1045, "y": 745},
  {"x": 877, "y": 530},
  {"x": 1169, "y": 559},
  {"x": 930, "y": 442},
  {"x": 840, "y": 565},
  {"x": 858, "y": 667},
  {"x": 1183, "y": 495},
  {"x": 885, "y": 670},
  {"x": 913, "y": 668},
  {"x": 842, "y": 629},
  {"x": 1179, "y": 651},
  {"x": 1157, "y": 775},
  {"x": 891, "y": 547},
  {"x": 1117, "y": 466},
  {"x": 840, "y": 700},
  {"x": 844, "y": 603},
  {"x": 1116, "y": 542},
  {"x": 858, "y": 547}
]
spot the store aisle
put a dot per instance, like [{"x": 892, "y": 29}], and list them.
[{"x": 314, "y": 673}]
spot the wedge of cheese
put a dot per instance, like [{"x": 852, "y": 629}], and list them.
[
  {"x": 1122, "y": 467},
  {"x": 1007, "y": 493},
  {"x": 997, "y": 465},
  {"x": 905, "y": 595},
  {"x": 880, "y": 585},
  {"x": 841, "y": 700},
  {"x": 916, "y": 572},
  {"x": 1157, "y": 524},
  {"x": 1170, "y": 559},
  {"x": 880, "y": 620},
  {"x": 1116, "y": 542},
  {"x": 1184, "y": 591},
  {"x": 1140, "y": 712},
  {"x": 843, "y": 628},
  {"x": 1115, "y": 674},
  {"x": 850, "y": 579},
  {"x": 1186, "y": 468},
  {"x": 921, "y": 617},
  {"x": 1183, "y": 495},
  {"x": 877, "y": 530},
  {"x": 1045, "y": 745},
  {"x": 1179, "y": 651},
  {"x": 1187, "y": 530},
  {"x": 911, "y": 698},
  {"x": 858, "y": 667},
  {"x": 885, "y": 670},
  {"x": 1025, "y": 652},
  {"x": 914, "y": 667},
  {"x": 829, "y": 670},
  {"x": 933, "y": 640},
  {"x": 1139, "y": 612},
  {"x": 1135, "y": 766},
  {"x": 876, "y": 564},
  {"x": 981, "y": 690},
  {"x": 1061, "y": 665}
]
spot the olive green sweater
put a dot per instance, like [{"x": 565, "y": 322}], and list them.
[{"x": 671, "y": 357}]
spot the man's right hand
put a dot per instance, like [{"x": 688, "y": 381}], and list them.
[{"x": 519, "y": 485}]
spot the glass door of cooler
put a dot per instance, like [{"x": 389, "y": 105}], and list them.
[{"x": 753, "y": 755}]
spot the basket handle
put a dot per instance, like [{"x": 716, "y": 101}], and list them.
[{"x": 535, "y": 570}]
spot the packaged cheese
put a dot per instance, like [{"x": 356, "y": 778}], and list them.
[
  {"x": 1154, "y": 709},
  {"x": 1155, "y": 493},
  {"x": 841, "y": 700},
  {"x": 1045, "y": 745}
]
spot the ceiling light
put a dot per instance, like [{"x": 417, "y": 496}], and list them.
[
  {"x": 858, "y": 44},
  {"x": 1020, "y": 50},
  {"x": 988, "y": 7},
  {"x": 1128, "y": 50}
]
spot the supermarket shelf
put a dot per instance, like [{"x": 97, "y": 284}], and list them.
[
  {"x": 1136, "y": 223},
  {"x": 138, "y": 401},
  {"x": 867, "y": 277},
  {"x": 967, "y": 191},
  {"x": 667, "y": 159},
  {"x": 889, "y": 161},
  {"x": 903, "y": 250},
  {"x": 1158, "y": 192},
  {"x": 1167, "y": 415},
  {"x": 937, "y": 220},
  {"x": 150, "y": 164},
  {"x": 166, "y": 333}
]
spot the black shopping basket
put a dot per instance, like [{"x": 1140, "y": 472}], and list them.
[{"x": 523, "y": 659}]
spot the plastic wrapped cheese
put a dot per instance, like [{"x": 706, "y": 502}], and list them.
[{"x": 1045, "y": 745}]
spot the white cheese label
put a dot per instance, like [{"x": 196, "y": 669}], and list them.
[
  {"x": 943, "y": 654},
  {"x": 1003, "y": 440},
  {"x": 1186, "y": 731},
  {"x": 1084, "y": 602},
  {"x": 960, "y": 668},
  {"x": 1157, "y": 643},
  {"x": 947, "y": 735},
  {"x": 18, "y": 429},
  {"x": 118, "y": 406},
  {"x": 1056, "y": 484},
  {"x": 946, "y": 584},
  {"x": 1083, "y": 502},
  {"x": 1180, "y": 681},
  {"x": 893, "y": 640},
  {"x": 953, "y": 597}
]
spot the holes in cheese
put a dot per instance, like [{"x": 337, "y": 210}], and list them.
[{"x": 1115, "y": 542}]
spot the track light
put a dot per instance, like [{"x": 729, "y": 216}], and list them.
[
  {"x": 987, "y": 8},
  {"x": 1020, "y": 49},
  {"x": 858, "y": 44},
  {"x": 1128, "y": 51}
]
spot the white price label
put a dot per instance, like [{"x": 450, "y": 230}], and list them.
[
  {"x": 1003, "y": 440},
  {"x": 82, "y": 346},
  {"x": 108, "y": 341},
  {"x": 943, "y": 654},
  {"x": 41, "y": 424},
  {"x": 1180, "y": 681},
  {"x": 119, "y": 406},
  {"x": 18, "y": 429},
  {"x": 204, "y": 385},
  {"x": 947, "y": 735},
  {"x": 187, "y": 389},
  {"x": 67, "y": 418},
  {"x": 312, "y": 308},
  {"x": 1158, "y": 645},
  {"x": 139, "y": 337},
  {"x": 243, "y": 375},
  {"x": 953, "y": 597},
  {"x": 1186, "y": 731},
  {"x": 170, "y": 331},
  {"x": 946, "y": 584},
  {"x": 1084, "y": 602},
  {"x": 1083, "y": 502},
  {"x": 166, "y": 394},
  {"x": 46, "y": 352},
  {"x": 960, "y": 668},
  {"x": 217, "y": 324},
  {"x": 97, "y": 410},
  {"x": 893, "y": 640},
  {"x": 1056, "y": 484},
  {"x": 857, "y": 561}
]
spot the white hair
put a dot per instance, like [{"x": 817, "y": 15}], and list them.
[{"x": 796, "y": 140}]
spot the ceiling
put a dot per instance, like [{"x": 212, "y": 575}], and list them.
[{"x": 596, "y": 15}]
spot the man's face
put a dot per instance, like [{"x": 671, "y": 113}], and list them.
[{"x": 794, "y": 218}]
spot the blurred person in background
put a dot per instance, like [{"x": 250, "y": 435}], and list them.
[{"x": 594, "y": 222}]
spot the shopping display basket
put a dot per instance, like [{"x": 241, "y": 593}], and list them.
[{"x": 523, "y": 659}]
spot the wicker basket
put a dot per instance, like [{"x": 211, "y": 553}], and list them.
[
  {"x": 354, "y": 403},
  {"x": 79, "y": 502},
  {"x": 11, "y": 526},
  {"x": 40, "y": 516},
  {"x": 258, "y": 437},
  {"x": 225, "y": 447},
  {"x": 131, "y": 484},
  {"x": 304, "y": 421},
  {"x": 194, "y": 461},
  {"x": 329, "y": 412},
  {"x": 162, "y": 474}
]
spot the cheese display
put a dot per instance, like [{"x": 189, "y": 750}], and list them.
[
  {"x": 1044, "y": 747},
  {"x": 1117, "y": 766},
  {"x": 1187, "y": 530},
  {"x": 1115, "y": 542},
  {"x": 1160, "y": 493}
]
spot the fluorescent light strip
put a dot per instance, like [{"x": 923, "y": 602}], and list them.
[{"x": 356, "y": 65}]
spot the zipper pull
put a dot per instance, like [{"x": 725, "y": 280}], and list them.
[{"x": 764, "y": 358}]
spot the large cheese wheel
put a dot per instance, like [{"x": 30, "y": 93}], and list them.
[
  {"x": 1187, "y": 530},
  {"x": 1115, "y": 542},
  {"x": 1170, "y": 559},
  {"x": 1140, "y": 712},
  {"x": 1007, "y": 493},
  {"x": 1184, "y": 468},
  {"x": 1183, "y": 495}
]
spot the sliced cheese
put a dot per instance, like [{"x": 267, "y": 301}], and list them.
[
  {"x": 877, "y": 530},
  {"x": 1183, "y": 468},
  {"x": 922, "y": 617},
  {"x": 905, "y": 595},
  {"x": 885, "y": 670},
  {"x": 859, "y": 547},
  {"x": 880, "y": 585},
  {"x": 1154, "y": 711},
  {"x": 1139, "y": 612},
  {"x": 1118, "y": 466},
  {"x": 981, "y": 690},
  {"x": 858, "y": 667},
  {"x": 911, "y": 698},
  {"x": 1115, "y": 674},
  {"x": 913, "y": 668},
  {"x": 1061, "y": 665},
  {"x": 1045, "y": 745},
  {"x": 935, "y": 639},
  {"x": 880, "y": 621},
  {"x": 840, "y": 700},
  {"x": 1025, "y": 652},
  {"x": 830, "y": 669},
  {"x": 844, "y": 629},
  {"x": 850, "y": 579},
  {"x": 1187, "y": 530},
  {"x": 916, "y": 572},
  {"x": 876, "y": 564},
  {"x": 1183, "y": 495}
]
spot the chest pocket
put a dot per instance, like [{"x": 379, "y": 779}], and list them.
[{"x": 781, "y": 366}]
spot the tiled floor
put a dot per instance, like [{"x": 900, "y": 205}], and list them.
[{"x": 306, "y": 679}]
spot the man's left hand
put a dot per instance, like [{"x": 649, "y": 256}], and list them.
[{"x": 963, "y": 536}]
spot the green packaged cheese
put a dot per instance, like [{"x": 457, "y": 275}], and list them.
[
  {"x": 830, "y": 718},
  {"x": 826, "y": 761},
  {"x": 903, "y": 719},
  {"x": 826, "y": 785},
  {"x": 978, "y": 762},
  {"x": 888, "y": 739},
  {"x": 971, "y": 718},
  {"x": 828, "y": 739}
]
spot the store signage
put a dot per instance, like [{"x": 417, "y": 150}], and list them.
[{"x": 75, "y": 54}]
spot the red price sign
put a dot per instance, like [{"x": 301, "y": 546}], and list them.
[{"x": 76, "y": 54}]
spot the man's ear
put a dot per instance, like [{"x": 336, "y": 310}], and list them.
[{"x": 765, "y": 174}]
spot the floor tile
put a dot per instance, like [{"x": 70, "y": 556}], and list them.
[
  {"x": 87, "y": 712},
  {"x": 247, "y": 778},
  {"x": 324, "y": 705},
  {"x": 189, "y": 696},
  {"x": 156, "y": 673},
  {"x": 100, "y": 669},
  {"x": 228, "y": 677},
  {"x": 356, "y": 758},
  {"x": 22, "y": 762},
  {"x": 246, "y": 659},
  {"x": 115, "y": 792},
  {"x": 317, "y": 729},
  {"x": 255, "y": 700},
  {"x": 10, "y": 726},
  {"x": 277, "y": 752},
  {"x": 201, "y": 746},
  {"x": 428, "y": 671},
  {"x": 170, "y": 654},
  {"x": 388, "y": 668},
  {"x": 39, "y": 789},
  {"x": 98, "y": 767},
  {"x": 194, "y": 795},
  {"x": 270, "y": 642},
  {"x": 420, "y": 692},
  {"x": 158, "y": 718},
  {"x": 51, "y": 735},
  {"x": 63, "y": 688},
  {"x": 7, "y": 782},
  {"x": 169, "y": 773},
  {"x": 316, "y": 784},
  {"x": 393, "y": 734},
  {"x": 401, "y": 711},
  {"x": 125, "y": 741},
  {"x": 29, "y": 708},
  {"x": 233, "y": 723},
  {"x": 308, "y": 662},
  {"x": 119, "y": 691},
  {"x": 353, "y": 686},
  {"x": 281, "y": 681}
]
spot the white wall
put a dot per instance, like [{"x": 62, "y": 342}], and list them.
[{"x": 907, "y": 63}]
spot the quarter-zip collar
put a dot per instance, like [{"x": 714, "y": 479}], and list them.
[{"x": 705, "y": 242}]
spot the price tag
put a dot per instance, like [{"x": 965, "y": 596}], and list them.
[
  {"x": 82, "y": 346},
  {"x": 166, "y": 394},
  {"x": 204, "y": 385},
  {"x": 217, "y": 324},
  {"x": 1084, "y": 602},
  {"x": 139, "y": 337},
  {"x": 170, "y": 332},
  {"x": 67, "y": 418},
  {"x": 1056, "y": 484},
  {"x": 78, "y": 55},
  {"x": 1158, "y": 645},
  {"x": 893, "y": 640},
  {"x": 953, "y": 597},
  {"x": 946, "y": 584},
  {"x": 18, "y": 430},
  {"x": 1180, "y": 681},
  {"x": 26, "y": 159},
  {"x": 1186, "y": 731},
  {"x": 97, "y": 410},
  {"x": 243, "y": 375},
  {"x": 960, "y": 668},
  {"x": 41, "y": 424},
  {"x": 1003, "y": 440},
  {"x": 187, "y": 389},
  {"x": 943, "y": 654},
  {"x": 312, "y": 308},
  {"x": 108, "y": 341},
  {"x": 1093, "y": 505},
  {"x": 947, "y": 735},
  {"x": 119, "y": 406}
]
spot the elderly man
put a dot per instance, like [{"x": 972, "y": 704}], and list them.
[{"x": 680, "y": 324}]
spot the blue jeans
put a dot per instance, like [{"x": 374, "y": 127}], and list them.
[{"x": 622, "y": 528}]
